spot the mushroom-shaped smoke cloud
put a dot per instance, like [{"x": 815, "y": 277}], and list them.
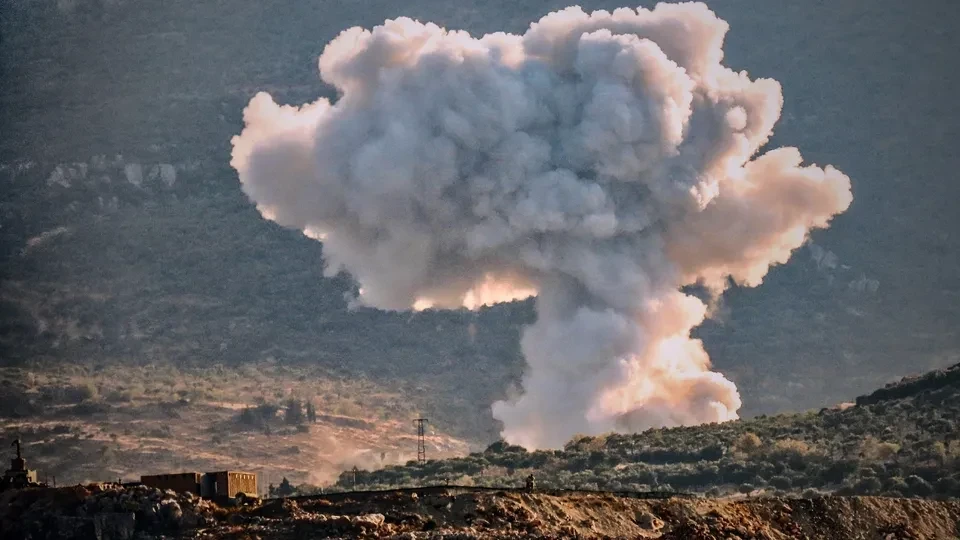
[{"x": 600, "y": 161}]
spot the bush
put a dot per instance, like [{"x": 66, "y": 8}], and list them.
[
  {"x": 259, "y": 416},
  {"x": 502, "y": 447},
  {"x": 781, "y": 482},
  {"x": 879, "y": 451},
  {"x": 793, "y": 452},
  {"x": 868, "y": 486},
  {"x": 919, "y": 487},
  {"x": 748, "y": 443},
  {"x": 83, "y": 392},
  {"x": 948, "y": 486}
]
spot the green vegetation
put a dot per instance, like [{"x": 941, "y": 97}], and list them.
[
  {"x": 259, "y": 392},
  {"x": 899, "y": 441}
]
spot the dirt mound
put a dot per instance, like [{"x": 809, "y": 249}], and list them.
[
  {"x": 523, "y": 515},
  {"x": 458, "y": 514},
  {"x": 115, "y": 514}
]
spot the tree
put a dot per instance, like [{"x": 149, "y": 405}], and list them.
[
  {"x": 294, "y": 414},
  {"x": 311, "y": 413},
  {"x": 285, "y": 489}
]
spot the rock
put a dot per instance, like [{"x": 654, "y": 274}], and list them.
[
  {"x": 648, "y": 521},
  {"x": 369, "y": 521},
  {"x": 171, "y": 512},
  {"x": 115, "y": 526},
  {"x": 190, "y": 520}
]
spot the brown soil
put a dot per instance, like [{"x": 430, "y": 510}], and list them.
[
  {"x": 114, "y": 513},
  {"x": 522, "y": 515}
]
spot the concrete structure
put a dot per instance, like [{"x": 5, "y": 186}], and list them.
[
  {"x": 228, "y": 484},
  {"x": 210, "y": 485},
  {"x": 179, "y": 482}
]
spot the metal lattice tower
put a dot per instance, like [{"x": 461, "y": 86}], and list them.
[{"x": 421, "y": 445}]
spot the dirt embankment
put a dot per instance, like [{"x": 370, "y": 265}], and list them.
[
  {"x": 112, "y": 514},
  {"x": 522, "y": 515}
]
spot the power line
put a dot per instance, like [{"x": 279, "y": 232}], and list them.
[{"x": 421, "y": 445}]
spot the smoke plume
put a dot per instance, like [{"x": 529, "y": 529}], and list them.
[{"x": 599, "y": 161}]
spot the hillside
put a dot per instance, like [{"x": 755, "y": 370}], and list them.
[
  {"x": 79, "y": 425},
  {"x": 900, "y": 441},
  {"x": 125, "y": 240}
]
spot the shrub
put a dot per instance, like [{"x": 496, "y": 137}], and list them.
[
  {"x": 948, "y": 486},
  {"x": 781, "y": 482},
  {"x": 748, "y": 443},
  {"x": 868, "y": 486},
  {"x": 790, "y": 449},
  {"x": 83, "y": 392},
  {"x": 878, "y": 451},
  {"x": 919, "y": 487}
]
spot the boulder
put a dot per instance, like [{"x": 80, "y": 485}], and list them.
[
  {"x": 368, "y": 521},
  {"x": 170, "y": 512},
  {"x": 648, "y": 521}
]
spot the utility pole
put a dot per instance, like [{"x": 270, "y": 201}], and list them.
[{"x": 421, "y": 446}]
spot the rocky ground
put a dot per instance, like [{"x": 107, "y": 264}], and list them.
[{"x": 113, "y": 513}]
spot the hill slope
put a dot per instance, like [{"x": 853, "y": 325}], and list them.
[
  {"x": 301, "y": 423},
  {"x": 899, "y": 441}
]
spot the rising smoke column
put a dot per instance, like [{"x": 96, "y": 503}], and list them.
[{"x": 600, "y": 161}]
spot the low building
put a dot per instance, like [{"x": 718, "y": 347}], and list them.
[
  {"x": 228, "y": 484},
  {"x": 210, "y": 485},
  {"x": 179, "y": 482}
]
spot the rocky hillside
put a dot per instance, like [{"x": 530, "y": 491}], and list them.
[
  {"x": 124, "y": 237},
  {"x": 901, "y": 441},
  {"x": 277, "y": 421},
  {"x": 111, "y": 513}
]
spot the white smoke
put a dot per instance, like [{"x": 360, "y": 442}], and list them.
[{"x": 600, "y": 161}]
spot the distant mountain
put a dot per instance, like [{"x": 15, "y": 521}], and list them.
[
  {"x": 124, "y": 236},
  {"x": 898, "y": 441}
]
